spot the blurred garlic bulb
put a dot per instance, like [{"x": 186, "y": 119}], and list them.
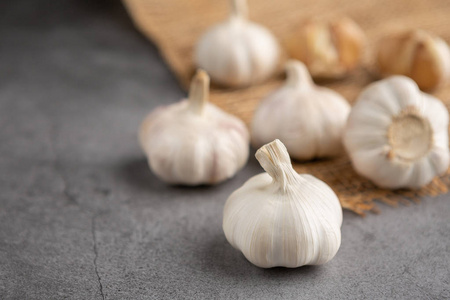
[
  {"x": 417, "y": 54},
  {"x": 282, "y": 218},
  {"x": 194, "y": 142},
  {"x": 237, "y": 52},
  {"x": 330, "y": 49},
  {"x": 397, "y": 136},
  {"x": 308, "y": 119}
]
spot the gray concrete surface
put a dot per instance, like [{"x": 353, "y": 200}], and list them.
[{"x": 82, "y": 217}]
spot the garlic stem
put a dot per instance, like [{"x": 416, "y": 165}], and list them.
[
  {"x": 275, "y": 160},
  {"x": 199, "y": 91},
  {"x": 239, "y": 8},
  {"x": 298, "y": 75}
]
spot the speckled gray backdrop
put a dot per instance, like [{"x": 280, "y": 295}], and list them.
[{"x": 82, "y": 217}]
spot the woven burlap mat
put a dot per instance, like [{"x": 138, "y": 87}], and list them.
[{"x": 176, "y": 25}]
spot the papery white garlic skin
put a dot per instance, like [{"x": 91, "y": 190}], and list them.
[
  {"x": 237, "y": 52},
  {"x": 193, "y": 142},
  {"x": 308, "y": 119},
  {"x": 397, "y": 136},
  {"x": 282, "y": 218}
]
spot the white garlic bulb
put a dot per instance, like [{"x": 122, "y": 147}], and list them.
[
  {"x": 194, "y": 142},
  {"x": 397, "y": 136},
  {"x": 282, "y": 218},
  {"x": 308, "y": 119},
  {"x": 237, "y": 52}
]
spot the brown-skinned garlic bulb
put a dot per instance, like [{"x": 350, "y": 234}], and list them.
[
  {"x": 417, "y": 54},
  {"x": 308, "y": 119},
  {"x": 330, "y": 49},
  {"x": 397, "y": 136},
  {"x": 237, "y": 52},
  {"x": 282, "y": 218},
  {"x": 193, "y": 142}
]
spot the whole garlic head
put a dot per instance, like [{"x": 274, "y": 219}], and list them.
[
  {"x": 237, "y": 52},
  {"x": 397, "y": 136},
  {"x": 417, "y": 54},
  {"x": 330, "y": 49},
  {"x": 308, "y": 119},
  {"x": 282, "y": 218},
  {"x": 194, "y": 142}
]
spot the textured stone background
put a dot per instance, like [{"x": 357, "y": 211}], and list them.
[{"x": 82, "y": 217}]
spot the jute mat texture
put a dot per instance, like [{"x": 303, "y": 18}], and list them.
[{"x": 175, "y": 26}]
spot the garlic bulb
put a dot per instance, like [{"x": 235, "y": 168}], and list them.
[
  {"x": 308, "y": 119},
  {"x": 237, "y": 52},
  {"x": 330, "y": 49},
  {"x": 193, "y": 142},
  {"x": 396, "y": 135},
  {"x": 282, "y": 218},
  {"x": 417, "y": 54}
]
